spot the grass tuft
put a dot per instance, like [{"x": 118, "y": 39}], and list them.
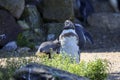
[{"x": 95, "y": 70}]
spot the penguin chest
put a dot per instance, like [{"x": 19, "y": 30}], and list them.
[{"x": 69, "y": 45}]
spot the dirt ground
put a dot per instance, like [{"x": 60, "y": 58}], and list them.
[
  {"x": 106, "y": 46},
  {"x": 112, "y": 57}
]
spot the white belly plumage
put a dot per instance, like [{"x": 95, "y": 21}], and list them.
[{"x": 69, "y": 46}]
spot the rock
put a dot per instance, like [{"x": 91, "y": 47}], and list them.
[
  {"x": 32, "y": 2},
  {"x": 15, "y": 7},
  {"x": 58, "y": 11},
  {"x": 115, "y": 5},
  {"x": 31, "y": 22},
  {"x": 36, "y": 71},
  {"x": 23, "y": 50},
  {"x": 40, "y": 6},
  {"x": 23, "y": 25},
  {"x": 54, "y": 29},
  {"x": 11, "y": 46},
  {"x": 32, "y": 17},
  {"x": 109, "y": 21},
  {"x": 39, "y": 31},
  {"x": 101, "y": 6},
  {"x": 50, "y": 37},
  {"x": 8, "y": 27},
  {"x": 36, "y": 47},
  {"x": 33, "y": 37}
]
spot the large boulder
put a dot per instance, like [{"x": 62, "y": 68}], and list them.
[
  {"x": 8, "y": 27},
  {"x": 105, "y": 29},
  {"x": 58, "y": 10},
  {"x": 32, "y": 24},
  {"x": 35, "y": 71},
  {"x": 11, "y": 46},
  {"x": 109, "y": 21},
  {"x": 32, "y": 17},
  {"x": 101, "y": 6},
  {"x": 15, "y": 7}
]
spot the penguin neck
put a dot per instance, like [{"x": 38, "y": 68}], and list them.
[{"x": 68, "y": 31}]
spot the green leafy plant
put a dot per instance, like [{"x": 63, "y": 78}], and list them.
[
  {"x": 97, "y": 70},
  {"x": 94, "y": 70},
  {"x": 22, "y": 41}
]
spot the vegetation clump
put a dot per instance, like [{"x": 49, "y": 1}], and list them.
[
  {"x": 22, "y": 41},
  {"x": 94, "y": 70}
]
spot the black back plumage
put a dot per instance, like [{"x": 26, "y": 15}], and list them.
[{"x": 83, "y": 35}]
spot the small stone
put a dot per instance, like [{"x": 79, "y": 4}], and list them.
[
  {"x": 11, "y": 46},
  {"x": 51, "y": 37},
  {"x": 23, "y": 50}
]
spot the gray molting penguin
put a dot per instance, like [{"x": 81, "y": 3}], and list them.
[
  {"x": 49, "y": 47},
  {"x": 69, "y": 41},
  {"x": 84, "y": 35},
  {"x": 83, "y": 9},
  {"x": 115, "y": 4}
]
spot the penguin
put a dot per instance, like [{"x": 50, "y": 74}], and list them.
[
  {"x": 48, "y": 47},
  {"x": 83, "y": 35},
  {"x": 69, "y": 41},
  {"x": 83, "y": 8},
  {"x": 115, "y": 4}
]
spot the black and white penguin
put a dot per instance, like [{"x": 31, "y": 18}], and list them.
[
  {"x": 83, "y": 35},
  {"x": 69, "y": 41},
  {"x": 115, "y": 4},
  {"x": 49, "y": 47},
  {"x": 83, "y": 8}
]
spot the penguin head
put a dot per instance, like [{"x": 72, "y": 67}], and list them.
[{"x": 69, "y": 25}]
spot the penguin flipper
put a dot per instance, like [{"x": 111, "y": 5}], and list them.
[{"x": 89, "y": 37}]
